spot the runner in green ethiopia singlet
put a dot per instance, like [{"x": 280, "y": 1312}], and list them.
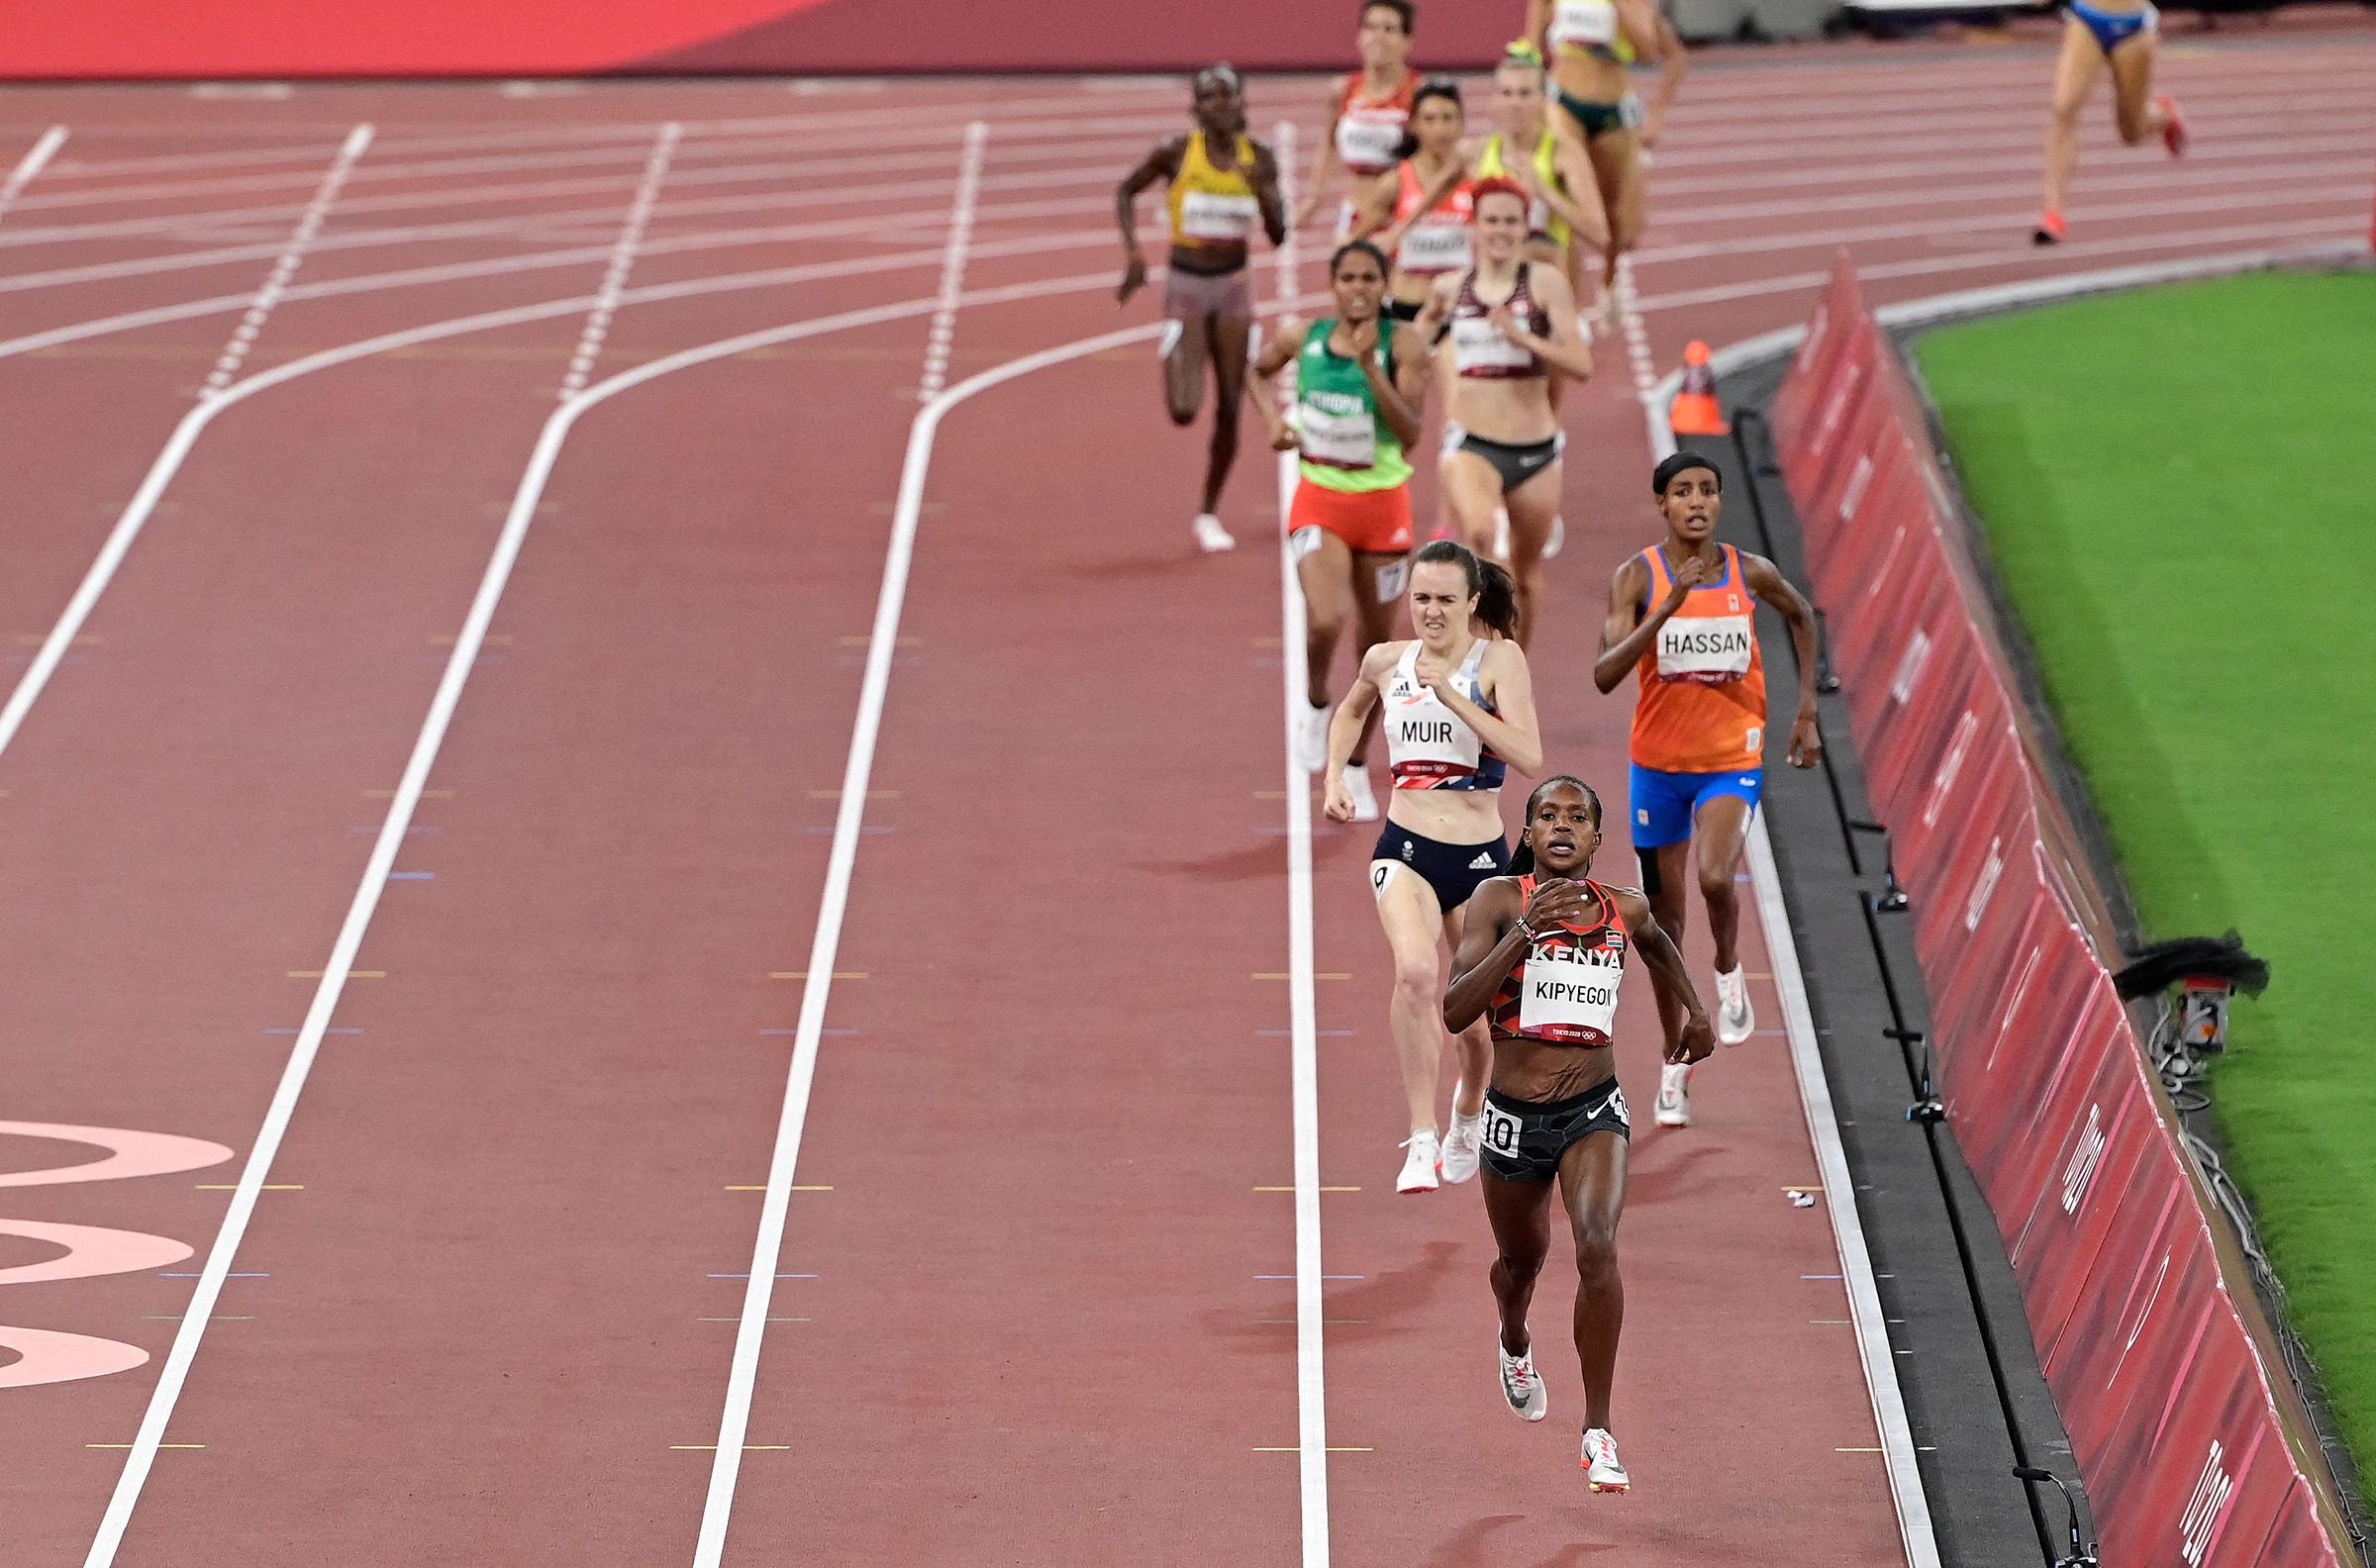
[{"x": 1346, "y": 446}]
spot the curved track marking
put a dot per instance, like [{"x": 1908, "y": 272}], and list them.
[
  {"x": 92, "y": 1251},
  {"x": 129, "y": 1153},
  {"x": 143, "y": 506},
  {"x": 47, "y": 1357},
  {"x": 468, "y": 646}
]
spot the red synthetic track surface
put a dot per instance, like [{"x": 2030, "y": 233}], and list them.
[{"x": 1034, "y": 1314}]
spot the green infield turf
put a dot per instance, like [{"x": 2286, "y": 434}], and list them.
[{"x": 2179, "y": 486}]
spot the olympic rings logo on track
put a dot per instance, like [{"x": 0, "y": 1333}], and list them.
[{"x": 46, "y": 1355}]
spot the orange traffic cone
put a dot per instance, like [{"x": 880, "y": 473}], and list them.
[{"x": 1695, "y": 411}]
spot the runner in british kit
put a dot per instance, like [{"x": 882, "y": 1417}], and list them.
[
  {"x": 1459, "y": 713},
  {"x": 1682, "y": 620},
  {"x": 1543, "y": 959}
]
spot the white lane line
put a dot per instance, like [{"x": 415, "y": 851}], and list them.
[
  {"x": 943, "y": 335},
  {"x": 1068, "y": 154},
  {"x": 103, "y": 325},
  {"x": 2010, "y": 223},
  {"x": 168, "y": 462},
  {"x": 935, "y": 191},
  {"x": 734, "y": 1418},
  {"x": 29, "y": 165},
  {"x": 803, "y": 128},
  {"x": 219, "y": 394},
  {"x": 284, "y": 266},
  {"x": 622, "y": 260},
  {"x": 1303, "y": 1022},
  {"x": 833, "y": 904},
  {"x": 1849, "y": 113},
  {"x": 510, "y": 226},
  {"x": 2250, "y": 155},
  {"x": 1960, "y": 137},
  {"x": 257, "y": 1170},
  {"x": 1912, "y": 1505},
  {"x": 2256, "y": 163},
  {"x": 2339, "y": 228}
]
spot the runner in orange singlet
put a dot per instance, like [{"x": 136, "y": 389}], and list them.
[{"x": 1682, "y": 618}]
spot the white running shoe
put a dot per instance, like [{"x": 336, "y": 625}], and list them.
[
  {"x": 1357, "y": 784},
  {"x": 1735, "y": 1021},
  {"x": 1520, "y": 1385},
  {"x": 1463, "y": 1146},
  {"x": 1673, "y": 1108},
  {"x": 1419, "y": 1165},
  {"x": 1211, "y": 537},
  {"x": 1557, "y": 541},
  {"x": 1311, "y": 738},
  {"x": 1600, "y": 1463}
]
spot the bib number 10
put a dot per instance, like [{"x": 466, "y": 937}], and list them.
[{"x": 1501, "y": 1130}]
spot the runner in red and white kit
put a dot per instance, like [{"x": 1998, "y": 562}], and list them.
[
  {"x": 1543, "y": 959},
  {"x": 1425, "y": 241},
  {"x": 1368, "y": 111}
]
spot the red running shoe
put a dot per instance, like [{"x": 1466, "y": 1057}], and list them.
[
  {"x": 2173, "y": 129},
  {"x": 2048, "y": 230}
]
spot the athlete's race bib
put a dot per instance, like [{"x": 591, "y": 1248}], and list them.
[
  {"x": 1211, "y": 215},
  {"x": 1425, "y": 739},
  {"x": 1340, "y": 440},
  {"x": 1585, "y": 22},
  {"x": 1706, "y": 649},
  {"x": 1501, "y": 1131},
  {"x": 1368, "y": 143},
  {"x": 1433, "y": 248},
  {"x": 1570, "y": 993},
  {"x": 1479, "y": 348}
]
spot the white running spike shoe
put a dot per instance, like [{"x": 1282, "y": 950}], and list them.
[
  {"x": 1311, "y": 737},
  {"x": 1419, "y": 1165},
  {"x": 1520, "y": 1386},
  {"x": 1211, "y": 537},
  {"x": 1735, "y": 1021},
  {"x": 1673, "y": 1107},
  {"x": 1463, "y": 1146},
  {"x": 1600, "y": 1463},
  {"x": 1357, "y": 784}
]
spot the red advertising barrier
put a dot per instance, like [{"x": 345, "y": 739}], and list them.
[
  {"x": 2173, "y": 1419},
  {"x": 70, "y": 38}
]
